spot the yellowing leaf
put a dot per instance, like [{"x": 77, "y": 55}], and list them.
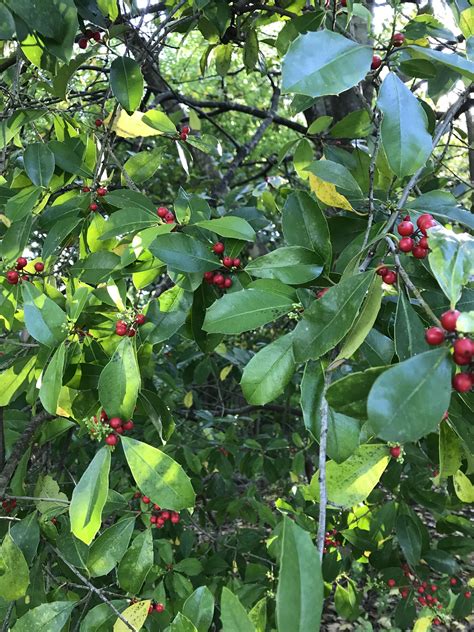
[
  {"x": 326, "y": 192},
  {"x": 130, "y": 126},
  {"x": 225, "y": 372},
  {"x": 466, "y": 22},
  {"x": 423, "y": 624},
  {"x": 463, "y": 487},
  {"x": 135, "y": 614},
  {"x": 188, "y": 399},
  {"x": 4, "y": 219}
]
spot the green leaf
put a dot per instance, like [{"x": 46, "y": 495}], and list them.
[
  {"x": 143, "y": 165},
  {"x": 465, "y": 322},
  {"x": 451, "y": 60},
  {"x": 409, "y": 538},
  {"x": 16, "y": 238},
  {"x": 463, "y": 487},
  {"x": 250, "y": 52},
  {"x": 338, "y": 175},
  {"x": 300, "y": 593},
  {"x": 405, "y": 138},
  {"x": 347, "y": 601},
  {"x": 166, "y": 315},
  {"x": 450, "y": 451},
  {"x": 234, "y": 617},
  {"x": 311, "y": 396},
  {"x": 45, "y": 320},
  {"x": 89, "y": 497},
  {"x": 13, "y": 378},
  {"x": 128, "y": 220},
  {"x": 199, "y": 608},
  {"x": 14, "y": 573},
  {"x": 304, "y": 224},
  {"x": 160, "y": 121},
  {"x": 184, "y": 253},
  {"x": 409, "y": 330},
  {"x": 109, "y": 8},
  {"x": 320, "y": 124},
  {"x": 61, "y": 230},
  {"x": 119, "y": 381},
  {"x": 26, "y": 535},
  {"x": 158, "y": 476},
  {"x": 39, "y": 164},
  {"x": 109, "y": 548},
  {"x": 354, "y": 125},
  {"x": 401, "y": 392},
  {"x": 451, "y": 259},
  {"x": 223, "y": 58},
  {"x": 329, "y": 318},
  {"x": 349, "y": 483},
  {"x": 126, "y": 82},
  {"x": 136, "y": 563},
  {"x": 233, "y": 227},
  {"x": 20, "y": 205},
  {"x": 343, "y": 436},
  {"x": 348, "y": 395},
  {"x": 181, "y": 623},
  {"x": 245, "y": 310},
  {"x": 52, "y": 380},
  {"x": 339, "y": 65},
  {"x": 291, "y": 264},
  {"x": 258, "y": 615},
  {"x": 101, "y": 618},
  {"x": 269, "y": 371},
  {"x": 49, "y": 617}
]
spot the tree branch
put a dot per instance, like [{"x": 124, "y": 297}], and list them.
[{"x": 323, "y": 494}]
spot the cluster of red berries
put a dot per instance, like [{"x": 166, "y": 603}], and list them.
[
  {"x": 13, "y": 276},
  {"x": 463, "y": 348},
  {"x": 9, "y": 505},
  {"x": 109, "y": 428},
  {"x": 155, "y": 607},
  {"x": 166, "y": 215},
  {"x": 100, "y": 192},
  {"x": 217, "y": 277},
  {"x": 184, "y": 132},
  {"x": 129, "y": 329},
  {"x": 88, "y": 35},
  {"x": 158, "y": 515},
  {"x": 330, "y": 541},
  {"x": 388, "y": 276},
  {"x": 412, "y": 241},
  {"x": 397, "y": 40}
]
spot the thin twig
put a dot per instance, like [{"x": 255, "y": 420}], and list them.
[
  {"x": 373, "y": 160},
  {"x": 323, "y": 493}
]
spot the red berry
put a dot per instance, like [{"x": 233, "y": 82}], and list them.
[
  {"x": 175, "y": 518},
  {"x": 111, "y": 439},
  {"x": 391, "y": 583},
  {"x": 96, "y": 36},
  {"x": 404, "y": 593},
  {"x": 218, "y": 279},
  {"x": 343, "y": 3},
  {"x": 132, "y": 332},
  {"x": 21, "y": 262},
  {"x": 390, "y": 277},
  {"x": 228, "y": 282},
  {"x": 150, "y": 609},
  {"x": 236, "y": 262},
  {"x": 86, "y": 189},
  {"x": 427, "y": 224},
  {"x": 128, "y": 425},
  {"x": 462, "y": 383},
  {"x": 218, "y": 248},
  {"x": 93, "y": 206},
  {"x": 467, "y": 594},
  {"x": 162, "y": 211},
  {"x": 103, "y": 416},
  {"x": 453, "y": 581},
  {"x": 434, "y": 336},
  {"x": 464, "y": 347},
  {"x": 423, "y": 243},
  {"x": 140, "y": 319},
  {"x": 406, "y": 244},
  {"x": 165, "y": 515},
  {"x": 449, "y": 319},
  {"x": 98, "y": 122},
  {"x": 145, "y": 500},
  {"x": 153, "y": 519},
  {"x": 436, "y": 621},
  {"x": 422, "y": 601},
  {"x": 156, "y": 507},
  {"x": 321, "y": 293},
  {"x": 115, "y": 422},
  {"x": 169, "y": 218},
  {"x": 39, "y": 266},
  {"x": 25, "y": 277},
  {"x": 83, "y": 43},
  {"x": 421, "y": 590},
  {"x": 382, "y": 271},
  {"x": 419, "y": 252},
  {"x": 12, "y": 277},
  {"x": 185, "y": 130},
  {"x": 121, "y": 328},
  {"x": 426, "y": 217},
  {"x": 183, "y": 136},
  {"x": 159, "y": 607},
  {"x": 376, "y": 62},
  {"x": 101, "y": 191},
  {"x": 228, "y": 262},
  {"x": 136, "y": 495},
  {"x": 208, "y": 276},
  {"x": 398, "y": 39},
  {"x": 119, "y": 430},
  {"x": 461, "y": 360},
  {"x": 405, "y": 228},
  {"x": 160, "y": 523},
  {"x": 395, "y": 451}
]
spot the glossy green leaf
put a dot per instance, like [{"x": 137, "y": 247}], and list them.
[
  {"x": 347, "y": 601},
  {"x": 463, "y": 487},
  {"x": 450, "y": 451},
  {"x": 14, "y": 573},
  {"x": 269, "y": 371},
  {"x": 59, "y": 232},
  {"x": 453, "y": 61},
  {"x": 44, "y": 319},
  {"x": 102, "y": 617},
  {"x": 51, "y": 381},
  {"x": 181, "y": 623},
  {"x": 26, "y": 535},
  {"x": 354, "y": 125},
  {"x": 401, "y": 392},
  {"x": 300, "y": 582},
  {"x": 338, "y": 175},
  {"x": 312, "y": 386},
  {"x": 166, "y": 315},
  {"x": 199, "y": 608},
  {"x": 13, "y": 378},
  {"x": 49, "y": 617},
  {"x": 330, "y": 317},
  {"x": 409, "y": 538},
  {"x": 343, "y": 436},
  {"x": 120, "y": 382},
  {"x": 109, "y": 548},
  {"x": 349, "y": 483},
  {"x": 234, "y": 617},
  {"x": 304, "y": 224},
  {"x": 290, "y": 264},
  {"x": 348, "y": 395},
  {"x": 89, "y": 497},
  {"x": 39, "y": 164},
  {"x": 16, "y": 238},
  {"x": 405, "y": 138},
  {"x": 258, "y": 615},
  {"x": 339, "y": 65},
  {"x": 157, "y": 475},
  {"x": 136, "y": 563},
  {"x": 143, "y": 165},
  {"x": 409, "y": 330},
  {"x": 128, "y": 220},
  {"x": 126, "y": 81},
  {"x": 184, "y": 253},
  {"x": 20, "y": 205},
  {"x": 451, "y": 259},
  {"x": 160, "y": 121},
  {"x": 245, "y": 310},
  {"x": 233, "y": 227}
]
